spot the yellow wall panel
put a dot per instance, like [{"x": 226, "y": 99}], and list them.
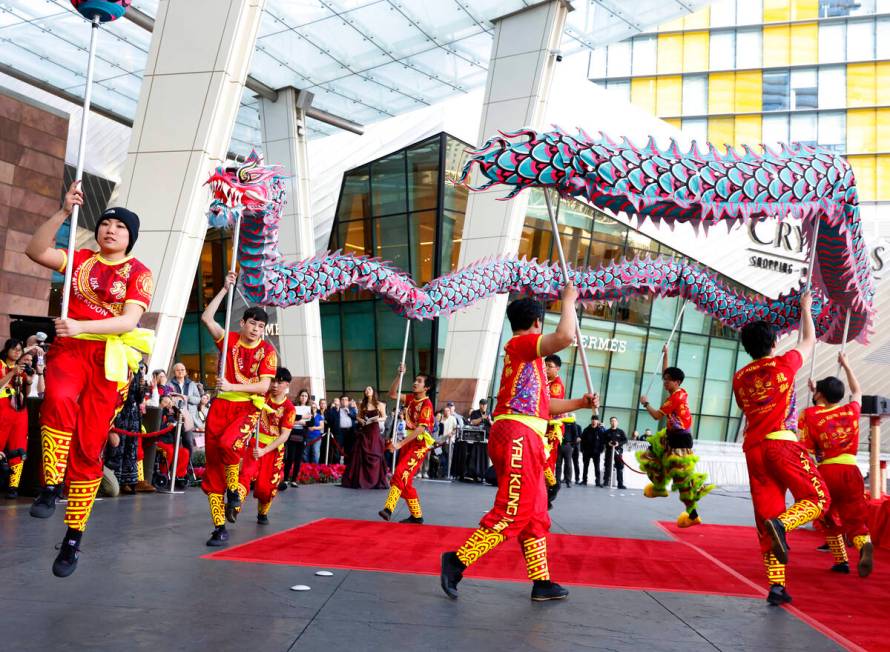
[
  {"x": 695, "y": 51},
  {"x": 882, "y": 130},
  {"x": 669, "y": 95},
  {"x": 883, "y": 179},
  {"x": 804, "y": 44},
  {"x": 675, "y": 25},
  {"x": 882, "y": 77},
  {"x": 776, "y": 50},
  {"x": 674, "y": 122},
  {"x": 775, "y": 11},
  {"x": 670, "y": 53},
  {"x": 642, "y": 93},
  {"x": 721, "y": 131},
  {"x": 721, "y": 92},
  {"x": 748, "y": 131},
  {"x": 701, "y": 19},
  {"x": 864, "y": 170},
  {"x": 749, "y": 92},
  {"x": 861, "y": 131},
  {"x": 803, "y": 9},
  {"x": 861, "y": 84}
]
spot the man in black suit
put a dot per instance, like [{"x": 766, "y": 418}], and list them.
[
  {"x": 592, "y": 442},
  {"x": 615, "y": 439}
]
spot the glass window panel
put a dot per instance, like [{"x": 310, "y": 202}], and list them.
[
  {"x": 748, "y": 90},
  {"x": 391, "y": 240},
  {"x": 775, "y": 129},
  {"x": 333, "y": 372},
  {"x": 695, "y": 51},
  {"x": 711, "y": 429},
  {"x": 621, "y": 89},
  {"x": 452, "y": 232},
  {"x": 670, "y": 52},
  {"x": 718, "y": 384},
  {"x": 721, "y": 92},
  {"x": 696, "y": 129},
  {"x": 721, "y": 131},
  {"x": 804, "y": 44},
  {"x": 803, "y": 88},
  {"x": 597, "y": 337},
  {"x": 695, "y": 95},
  {"x": 749, "y": 48},
  {"x": 776, "y": 49},
  {"x": 861, "y": 131},
  {"x": 355, "y": 201},
  {"x": 865, "y": 169},
  {"x": 832, "y": 87},
  {"x": 882, "y": 130},
  {"x": 619, "y": 59},
  {"x": 422, "y": 235},
  {"x": 723, "y": 13},
  {"x": 359, "y": 339},
  {"x": 861, "y": 89},
  {"x": 775, "y": 11},
  {"x": 423, "y": 175},
  {"x": 747, "y": 130},
  {"x": 355, "y": 237},
  {"x": 330, "y": 327},
  {"x": 624, "y": 375},
  {"x": 833, "y": 130},
  {"x": 645, "y": 49},
  {"x": 804, "y": 9},
  {"x": 721, "y": 50},
  {"x": 803, "y": 128},
  {"x": 668, "y": 91},
  {"x": 664, "y": 313},
  {"x": 455, "y": 158},
  {"x": 691, "y": 359},
  {"x": 535, "y": 243},
  {"x": 749, "y": 12},
  {"x": 832, "y": 42},
  {"x": 776, "y": 90},
  {"x": 695, "y": 321},
  {"x": 642, "y": 93},
  {"x": 882, "y": 38},
  {"x": 597, "y": 66},
  {"x": 388, "y": 185},
  {"x": 860, "y": 40}
]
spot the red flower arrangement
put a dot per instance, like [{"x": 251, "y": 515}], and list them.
[{"x": 320, "y": 473}]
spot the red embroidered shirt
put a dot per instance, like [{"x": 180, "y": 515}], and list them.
[
  {"x": 676, "y": 411},
  {"x": 100, "y": 288},
  {"x": 524, "y": 388},
  {"x": 245, "y": 364},
  {"x": 830, "y": 431},
  {"x": 764, "y": 389}
]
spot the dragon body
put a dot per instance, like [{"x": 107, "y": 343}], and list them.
[{"x": 664, "y": 185}]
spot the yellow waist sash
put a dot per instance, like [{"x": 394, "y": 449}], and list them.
[
  {"x": 423, "y": 436},
  {"x": 267, "y": 439},
  {"x": 259, "y": 401},
  {"x": 782, "y": 435},
  {"x": 845, "y": 458},
  {"x": 123, "y": 352},
  {"x": 6, "y": 392},
  {"x": 537, "y": 424}
]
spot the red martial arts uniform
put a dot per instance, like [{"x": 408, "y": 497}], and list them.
[
  {"x": 832, "y": 433},
  {"x": 676, "y": 411},
  {"x": 266, "y": 471},
  {"x": 232, "y": 419},
  {"x": 419, "y": 419},
  {"x": 80, "y": 402},
  {"x": 13, "y": 426},
  {"x": 556, "y": 389},
  {"x": 167, "y": 444},
  {"x": 516, "y": 449},
  {"x": 777, "y": 462}
]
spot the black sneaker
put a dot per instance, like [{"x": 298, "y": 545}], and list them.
[
  {"x": 233, "y": 505},
  {"x": 824, "y": 548},
  {"x": 12, "y": 493},
  {"x": 842, "y": 567},
  {"x": 778, "y": 595},
  {"x": 599, "y": 484},
  {"x": 45, "y": 503},
  {"x": 866, "y": 559},
  {"x": 621, "y": 486},
  {"x": 776, "y": 531},
  {"x": 452, "y": 572},
  {"x": 418, "y": 520},
  {"x": 219, "y": 537},
  {"x": 282, "y": 486},
  {"x": 262, "y": 519},
  {"x": 568, "y": 485},
  {"x": 584, "y": 482},
  {"x": 385, "y": 514},
  {"x": 543, "y": 590},
  {"x": 69, "y": 551}
]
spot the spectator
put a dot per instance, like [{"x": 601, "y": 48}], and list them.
[
  {"x": 188, "y": 398},
  {"x": 636, "y": 435},
  {"x": 157, "y": 387},
  {"x": 122, "y": 451},
  {"x": 347, "y": 418},
  {"x": 564, "y": 454},
  {"x": 480, "y": 417},
  {"x": 592, "y": 442},
  {"x": 450, "y": 429},
  {"x": 458, "y": 417},
  {"x": 201, "y": 412},
  {"x": 15, "y": 379},
  {"x": 646, "y": 434},
  {"x": 167, "y": 443},
  {"x": 367, "y": 466},
  {"x": 323, "y": 414},
  {"x": 315, "y": 428},
  {"x": 32, "y": 381},
  {"x": 615, "y": 439},
  {"x": 332, "y": 418},
  {"x": 576, "y": 450},
  {"x": 293, "y": 450}
]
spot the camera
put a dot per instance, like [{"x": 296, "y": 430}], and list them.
[{"x": 29, "y": 370}]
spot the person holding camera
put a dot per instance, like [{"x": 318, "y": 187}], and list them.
[{"x": 16, "y": 375}]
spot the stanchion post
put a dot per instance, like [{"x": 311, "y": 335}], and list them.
[
  {"x": 395, "y": 417},
  {"x": 171, "y": 489},
  {"x": 874, "y": 461}
]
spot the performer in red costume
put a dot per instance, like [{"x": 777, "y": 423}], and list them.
[
  {"x": 265, "y": 463},
  {"x": 831, "y": 431},
  {"x": 167, "y": 443},
  {"x": 777, "y": 462},
  {"x": 250, "y": 367},
  {"x": 516, "y": 448},
  {"x": 14, "y": 380},
  {"x": 89, "y": 362},
  {"x": 412, "y": 449},
  {"x": 556, "y": 426}
]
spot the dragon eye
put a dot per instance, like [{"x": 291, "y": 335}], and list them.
[{"x": 243, "y": 175}]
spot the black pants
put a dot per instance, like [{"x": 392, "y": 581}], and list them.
[
  {"x": 576, "y": 452},
  {"x": 293, "y": 459},
  {"x": 619, "y": 466},
  {"x": 564, "y": 463},
  {"x": 595, "y": 457}
]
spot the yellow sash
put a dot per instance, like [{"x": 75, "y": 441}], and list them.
[
  {"x": 537, "y": 424},
  {"x": 782, "y": 435},
  {"x": 267, "y": 439},
  {"x": 258, "y": 400},
  {"x": 845, "y": 458},
  {"x": 123, "y": 352},
  {"x": 423, "y": 436}
]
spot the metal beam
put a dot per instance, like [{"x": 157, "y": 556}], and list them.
[{"x": 147, "y": 23}]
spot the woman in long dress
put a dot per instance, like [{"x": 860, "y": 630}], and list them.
[{"x": 367, "y": 467}]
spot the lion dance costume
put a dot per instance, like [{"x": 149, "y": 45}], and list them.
[{"x": 419, "y": 420}]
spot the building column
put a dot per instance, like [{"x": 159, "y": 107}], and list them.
[
  {"x": 188, "y": 103},
  {"x": 519, "y": 76},
  {"x": 285, "y": 143}
]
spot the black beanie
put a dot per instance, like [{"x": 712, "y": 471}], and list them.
[{"x": 128, "y": 217}]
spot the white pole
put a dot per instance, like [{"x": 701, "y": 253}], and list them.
[
  {"x": 395, "y": 417},
  {"x": 657, "y": 372},
  {"x": 232, "y": 266},
  {"x": 844, "y": 339},
  {"x": 78, "y": 175},
  {"x": 807, "y": 288},
  {"x": 565, "y": 273}
]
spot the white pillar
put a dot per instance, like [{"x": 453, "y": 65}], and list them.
[
  {"x": 197, "y": 64},
  {"x": 285, "y": 142},
  {"x": 519, "y": 77}
]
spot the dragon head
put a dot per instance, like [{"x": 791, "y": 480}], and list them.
[{"x": 247, "y": 186}]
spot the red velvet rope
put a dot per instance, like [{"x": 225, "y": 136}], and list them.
[
  {"x": 620, "y": 457},
  {"x": 157, "y": 433}
]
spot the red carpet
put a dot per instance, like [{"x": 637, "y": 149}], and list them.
[
  {"x": 856, "y": 609},
  {"x": 575, "y": 560}
]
